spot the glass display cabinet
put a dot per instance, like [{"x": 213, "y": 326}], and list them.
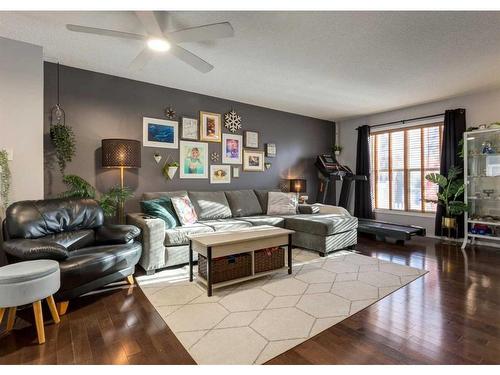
[{"x": 482, "y": 185}]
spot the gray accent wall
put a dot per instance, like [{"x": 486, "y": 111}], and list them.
[{"x": 101, "y": 106}]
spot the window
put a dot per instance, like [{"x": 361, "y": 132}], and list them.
[{"x": 400, "y": 159}]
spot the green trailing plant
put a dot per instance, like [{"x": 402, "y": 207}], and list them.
[
  {"x": 109, "y": 201},
  {"x": 4, "y": 178},
  {"x": 63, "y": 138},
  {"x": 452, "y": 189},
  {"x": 78, "y": 187}
]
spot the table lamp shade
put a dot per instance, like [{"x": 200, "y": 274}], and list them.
[
  {"x": 121, "y": 153},
  {"x": 298, "y": 185}
]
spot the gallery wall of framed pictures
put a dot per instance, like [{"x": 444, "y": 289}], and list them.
[{"x": 192, "y": 137}]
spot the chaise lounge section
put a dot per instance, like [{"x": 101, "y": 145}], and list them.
[{"x": 318, "y": 228}]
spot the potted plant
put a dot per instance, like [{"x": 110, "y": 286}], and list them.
[
  {"x": 337, "y": 149},
  {"x": 4, "y": 179},
  {"x": 170, "y": 169},
  {"x": 63, "y": 138},
  {"x": 452, "y": 189}
]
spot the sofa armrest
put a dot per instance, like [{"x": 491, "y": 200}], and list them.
[
  {"x": 35, "y": 249},
  {"x": 116, "y": 234},
  {"x": 328, "y": 209},
  {"x": 152, "y": 237},
  {"x": 308, "y": 209}
]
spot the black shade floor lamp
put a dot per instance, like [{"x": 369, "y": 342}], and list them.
[{"x": 121, "y": 153}]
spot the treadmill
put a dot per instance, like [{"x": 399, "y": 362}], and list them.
[{"x": 329, "y": 172}]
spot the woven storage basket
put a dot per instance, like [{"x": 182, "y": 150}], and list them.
[
  {"x": 226, "y": 268},
  {"x": 269, "y": 259}
]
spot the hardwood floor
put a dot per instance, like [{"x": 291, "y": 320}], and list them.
[{"x": 449, "y": 316}]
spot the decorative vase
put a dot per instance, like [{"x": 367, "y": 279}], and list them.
[
  {"x": 449, "y": 222},
  {"x": 337, "y": 152},
  {"x": 171, "y": 171}
]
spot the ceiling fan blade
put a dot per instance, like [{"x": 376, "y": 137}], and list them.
[
  {"x": 191, "y": 59},
  {"x": 202, "y": 33},
  {"x": 141, "y": 60},
  {"x": 151, "y": 22},
  {"x": 104, "y": 32}
]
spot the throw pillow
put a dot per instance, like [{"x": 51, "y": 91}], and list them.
[
  {"x": 282, "y": 203},
  {"x": 185, "y": 210},
  {"x": 161, "y": 208}
]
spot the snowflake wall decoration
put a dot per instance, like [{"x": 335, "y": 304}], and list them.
[
  {"x": 170, "y": 113},
  {"x": 214, "y": 156},
  {"x": 232, "y": 121}
]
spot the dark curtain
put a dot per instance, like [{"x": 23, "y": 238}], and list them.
[
  {"x": 454, "y": 128},
  {"x": 362, "y": 196}
]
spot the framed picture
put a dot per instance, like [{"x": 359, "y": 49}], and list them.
[
  {"x": 231, "y": 148},
  {"x": 193, "y": 159},
  {"x": 253, "y": 161},
  {"x": 251, "y": 139},
  {"x": 271, "y": 150},
  {"x": 160, "y": 133},
  {"x": 220, "y": 174},
  {"x": 236, "y": 172},
  {"x": 210, "y": 127},
  {"x": 189, "y": 129}
]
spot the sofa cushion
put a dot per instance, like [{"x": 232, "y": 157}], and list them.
[
  {"x": 243, "y": 203},
  {"x": 262, "y": 196},
  {"x": 282, "y": 203},
  {"x": 160, "y": 194},
  {"x": 210, "y": 205},
  {"x": 179, "y": 235},
  {"x": 73, "y": 240},
  {"x": 275, "y": 221},
  {"x": 227, "y": 224},
  {"x": 321, "y": 224},
  {"x": 185, "y": 210},
  {"x": 161, "y": 208}
]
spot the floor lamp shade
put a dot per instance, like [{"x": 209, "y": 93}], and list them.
[{"x": 121, "y": 153}]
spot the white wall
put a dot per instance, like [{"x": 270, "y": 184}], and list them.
[
  {"x": 480, "y": 108},
  {"x": 21, "y": 116}
]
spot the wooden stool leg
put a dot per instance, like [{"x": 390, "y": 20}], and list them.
[
  {"x": 2, "y": 311},
  {"x": 40, "y": 330},
  {"x": 11, "y": 318},
  {"x": 62, "y": 307},
  {"x": 130, "y": 279},
  {"x": 53, "y": 309}
]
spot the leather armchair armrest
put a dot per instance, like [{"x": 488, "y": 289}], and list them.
[
  {"x": 152, "y": 239},
  {"x": 35, "y": 249},
  {"x": 116, "y": 234},
  {"x": 308, "y": 209}
]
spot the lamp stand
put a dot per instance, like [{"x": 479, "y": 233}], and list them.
[{"x": 121, "y": 206}]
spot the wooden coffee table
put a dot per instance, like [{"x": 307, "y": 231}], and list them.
[{"x": 248, "y": 240}]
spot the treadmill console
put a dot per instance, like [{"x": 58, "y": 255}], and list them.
[{"x": 328, "y": 165}]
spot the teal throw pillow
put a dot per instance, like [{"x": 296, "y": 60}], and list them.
[{"x": 161, "y": 208}]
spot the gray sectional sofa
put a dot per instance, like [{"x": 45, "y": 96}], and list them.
[{"x": 233, "y": 210}]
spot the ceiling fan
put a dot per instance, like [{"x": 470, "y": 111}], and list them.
[{"x": 159, "y": 41}]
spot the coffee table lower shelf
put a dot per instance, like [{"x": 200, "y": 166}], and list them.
[{"x": 223, "y": 284}]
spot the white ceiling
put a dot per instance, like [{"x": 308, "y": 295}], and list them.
[{"x": 328, "y": 65}]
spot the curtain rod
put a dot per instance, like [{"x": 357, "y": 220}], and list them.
[{"x": 406, "y": 120}]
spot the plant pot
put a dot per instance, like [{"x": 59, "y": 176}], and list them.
[
  {"x": 171, "y": 171},
  {"x": 449, "y": 222},
  {"x": 337, "y": 153}
]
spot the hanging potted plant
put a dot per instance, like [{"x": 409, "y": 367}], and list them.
[
  {"x": 337, "y": 149},
  {"x": 170, "y": 169},
  {"x": 4, "y": 179},
  {"x": 452, "y": 189}
]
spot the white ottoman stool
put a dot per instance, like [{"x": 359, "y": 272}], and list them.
[{"x": 29, "y": 282}]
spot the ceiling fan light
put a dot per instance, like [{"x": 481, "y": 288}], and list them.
[{"x": 158, "y": 45}]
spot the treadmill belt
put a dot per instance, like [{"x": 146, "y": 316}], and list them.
[{"x": 384, "y": 229}]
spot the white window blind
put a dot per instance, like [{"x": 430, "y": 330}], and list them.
[{"x": 399, "y": 160}]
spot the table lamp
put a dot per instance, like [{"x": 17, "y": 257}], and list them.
[
  {"x": 299, "y": 185},
  {"x": 121, "y": 153}
]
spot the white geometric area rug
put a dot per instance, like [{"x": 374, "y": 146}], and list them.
[{"x": 254, "y": 321}]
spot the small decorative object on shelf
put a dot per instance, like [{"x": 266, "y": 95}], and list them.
[
  {"x": 481, "y": 171},
  {"x": 214, "y": 156},
  {"x": 170, "y": 113},
  {"x": 157, "y": 157},
  {"x": 232, "y": 121},
  {"x": 267, "y": 165},
  {"x": 337, "y": 149}
]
